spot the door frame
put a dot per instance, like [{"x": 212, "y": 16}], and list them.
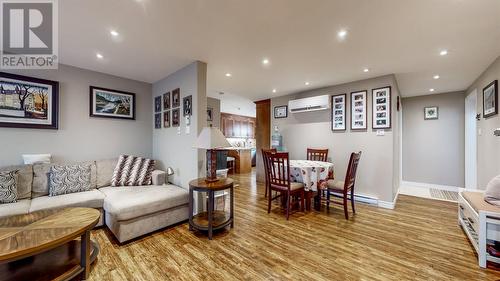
[{"x": 471, "y": 140}]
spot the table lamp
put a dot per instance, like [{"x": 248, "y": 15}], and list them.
[{"x": 210, "y": 139}]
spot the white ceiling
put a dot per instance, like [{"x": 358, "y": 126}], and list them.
[{"x": 157, "y": 37}]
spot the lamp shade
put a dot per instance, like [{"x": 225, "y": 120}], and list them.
[{"x": 211, "y": 138}]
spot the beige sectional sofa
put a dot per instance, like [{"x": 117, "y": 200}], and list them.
[{"x": 128, "y": 211}]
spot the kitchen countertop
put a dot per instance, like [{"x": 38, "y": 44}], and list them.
[{"x": 238, "y": 148}]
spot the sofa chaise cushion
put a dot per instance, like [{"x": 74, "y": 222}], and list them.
[
  {"x": 126, "y": 203},
  {"x": 89, "y": 199},
  {"x": 24, "y": 180},
  {"x": 21, "y": 207}
]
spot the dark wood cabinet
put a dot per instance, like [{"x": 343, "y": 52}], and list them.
[{"x": 237, "y": 126}]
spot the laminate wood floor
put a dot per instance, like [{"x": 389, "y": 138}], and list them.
[{"x": 419, "y": 240}]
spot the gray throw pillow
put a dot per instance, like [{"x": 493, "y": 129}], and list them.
[
  {"x": 492, "y": 193},
  {"x": 8, "y": 187},
  {"x": 69, "y": 179}
]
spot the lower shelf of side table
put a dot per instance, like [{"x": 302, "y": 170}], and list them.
[{"x": 220, "y": 219}]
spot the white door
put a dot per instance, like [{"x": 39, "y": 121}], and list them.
[{"x": 471, "y": 140}]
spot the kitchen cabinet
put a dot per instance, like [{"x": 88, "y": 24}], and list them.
[{"x": 237, "y": 126}]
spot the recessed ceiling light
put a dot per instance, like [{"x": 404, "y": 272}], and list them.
[
  {"x": 342, "y": 33},
  {"x": 228, "y": 74},
  {"x": 435, "y": 77},
  {"x": 265, "y": 61},
  {"x": 431, "y": 90},
  {"x": 274, "y": 90},
  {"x": 99, "y": 56},
  {"x": 366, "y": 70},
  {"x": 307, "y": 83},
  {"x": 443, "y": 52},
  {"x": 114, "y": 33}
]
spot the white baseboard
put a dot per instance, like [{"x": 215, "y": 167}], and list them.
[
  {"x": 431, "y": 185},
  {"x": 364, "y": 199},
  {"x": 374, "y": 201},
  {"x": 388, "y": 204}
]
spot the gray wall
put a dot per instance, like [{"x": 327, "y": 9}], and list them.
[
  {"x": 377, "y": 173},
  {"x": 215, "y": 105},
  {"x": 173, "y": 147},
  {"x": 488, "y": 146},
  {"x": 433, "y": 150},
  {"x": 81, "y": 137}
]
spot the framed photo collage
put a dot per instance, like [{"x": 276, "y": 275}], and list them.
[{"x": 381, "y": 110}]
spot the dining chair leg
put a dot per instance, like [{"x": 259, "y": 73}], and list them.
[
  {"x": 269, "y": 198},
  {"x": 352, "y": 201},
  {"x": 302, "y": 200},
  {"x": 287, "y": 205},
  {"x": 345, "y": 207},
  {"x": 328, "y": 200},
  {"x": 265, "y": 193}
]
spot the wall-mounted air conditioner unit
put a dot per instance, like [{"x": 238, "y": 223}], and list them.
[{"x": 309, "y": 104}]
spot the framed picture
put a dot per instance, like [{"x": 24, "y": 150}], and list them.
[
  {"x": 111, "y": 103},
  {"x": 27, "y": 102},
  {"x": 358, "y": 110},
  {"x": 158, "y": 104},
  {"x": 166, "y": 119},
  {"x": 490, "y": 99},
  {"x": 176, "y": 116},
  {"x": 210, "y": 113},
  {"x": 281, "y": 111},
  {"x": 381, "y": 108},
  {"x": 338, "y": 112},
  {"x": 176, "y": 98},
  {"x": 187, "y": 106},
  {"x": 157, "y": 120},
  {"x": 431, "y": 113},
  {"x": 166, "y": 101}
]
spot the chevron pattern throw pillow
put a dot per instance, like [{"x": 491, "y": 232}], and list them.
[{"x": 132, "y": 171}]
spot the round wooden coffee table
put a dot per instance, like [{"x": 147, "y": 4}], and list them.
[{"x": 43, "y": 246}]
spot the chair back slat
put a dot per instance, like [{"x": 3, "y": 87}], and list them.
[
  {"x": 265, "y": 159},
  {"x": 279, "y": 166},
  {"x": 350, "y": 177},
  {"x": 317, "y": 154}
]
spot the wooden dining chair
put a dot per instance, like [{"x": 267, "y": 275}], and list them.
[
  {"x": 346, "y": 186},
  {"x": 317, "y": 154},
  {"x": 266, "y": 165},
  {"x": 279, "y": 180}
]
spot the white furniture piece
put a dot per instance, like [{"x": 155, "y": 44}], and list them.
[{"x": 481, "y": 223}]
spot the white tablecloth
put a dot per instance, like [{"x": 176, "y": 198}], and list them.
[{"x": 311, "y": 173}]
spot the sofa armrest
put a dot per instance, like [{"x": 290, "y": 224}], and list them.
[{"x": 159, "y": 177}]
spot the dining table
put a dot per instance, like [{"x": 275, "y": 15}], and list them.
[{"x": 314, "y": 175}]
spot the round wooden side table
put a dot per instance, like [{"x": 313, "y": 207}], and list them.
[{"x": 211, "y": 219}]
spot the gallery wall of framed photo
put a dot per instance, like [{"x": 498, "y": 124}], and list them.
[
  {"x": 381, "y": 110},
  {"x": 168, "y": 109}
]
